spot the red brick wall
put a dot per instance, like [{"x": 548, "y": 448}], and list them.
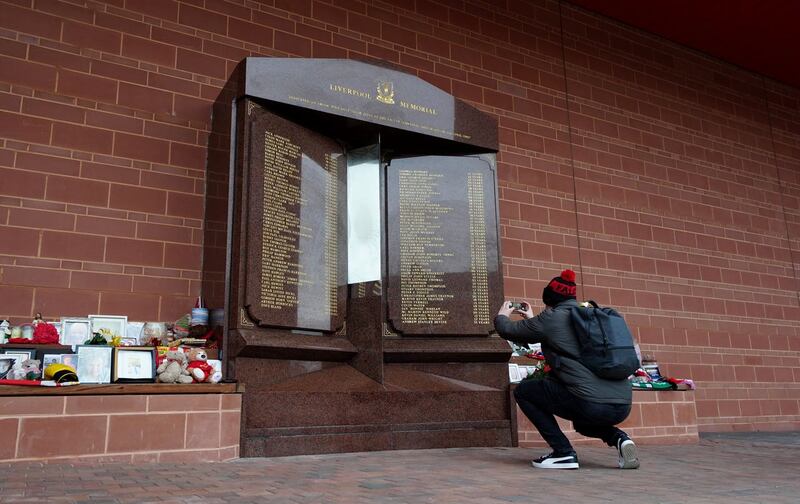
[
  {"x": 685, "y": 169},
  {"x": 120, "y": 428},
  {"x": 657, "y": 418}
]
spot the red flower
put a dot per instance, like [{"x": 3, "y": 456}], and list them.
[
  {"x": 535, "y": 355},
  {"x": 45, "y": 334}
]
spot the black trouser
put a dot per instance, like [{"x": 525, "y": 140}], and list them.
[{"x": 541, "y": 399}]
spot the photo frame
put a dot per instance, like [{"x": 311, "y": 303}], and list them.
[
  {"x": 513, "y": 373},
  {"x": 94, "y": 363},
  {"x": 134, "y": 331},
  {"x": 70, "y": 360},
  {"x": 118, "y": 324},
  {"x": 50, "y": 358},
  {"x": 134, "y": 364},
  {"x": 21, "y": 353},
  {"x": 6, "y": 363},
  {"x": 75, "y": 331}
]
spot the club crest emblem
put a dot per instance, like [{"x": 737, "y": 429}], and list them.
[{"x": 385, "y": 92}]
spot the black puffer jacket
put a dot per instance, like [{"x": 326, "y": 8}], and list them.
[{"x": 553, "y": 329}]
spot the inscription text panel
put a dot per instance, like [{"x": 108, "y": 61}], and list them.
[
  {"x": 296, "y": 237},
  {"x": 444, "y": 271}
]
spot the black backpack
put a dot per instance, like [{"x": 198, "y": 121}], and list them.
[{"x": 605, "y": 341}]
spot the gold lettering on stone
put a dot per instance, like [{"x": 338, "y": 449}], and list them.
[
  {"x": 332, "y": 234},
  {"x": 477, "y": 246},
  {"x": 281, "y": 273},
  {"x": 336, "y": 88},
  {"x": 418, "y": 108},
  {"x": 423, "y": 291}
]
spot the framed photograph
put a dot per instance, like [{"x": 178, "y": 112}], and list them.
[
  {"x": 134, "y": 332},
  {"x": 75, "y": 331},
  {"x": 70, "y": 359},
  {"x": 51, "y": 358},
  {"x": 14, "y": 357},
  {"x": 20, "y": 353},
  {"x": 94, "y": 363},
  {"x": 117, "y": 324},
  {"x": 513, "y": 373},
  {"x": 6, "y": 363},
  {"x": 134, "y": 364}
]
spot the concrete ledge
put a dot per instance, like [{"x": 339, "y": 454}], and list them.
[{"x": 123, "y": 388}]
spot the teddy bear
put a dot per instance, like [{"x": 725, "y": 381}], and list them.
[
  {"x": 29, "y": 369},
  {"x": 200, "y": 369},
  {"x": 174, "y": 368}
]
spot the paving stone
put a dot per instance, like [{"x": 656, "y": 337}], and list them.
[{"x": 729, "y": 468}]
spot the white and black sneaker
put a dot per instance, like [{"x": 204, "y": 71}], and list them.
[
  {"x": 627, "y": 453},
  {"x": 554, "y": 461}
]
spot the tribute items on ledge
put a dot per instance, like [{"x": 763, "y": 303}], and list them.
[
  {"x": 108, "y": 348},
  {"x": 528, "y": 363}
]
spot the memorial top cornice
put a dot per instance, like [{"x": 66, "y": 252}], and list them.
[{"x": 369, "y": 93}]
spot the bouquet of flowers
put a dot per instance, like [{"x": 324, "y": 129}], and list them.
[
  {"x": 535, "y": 367},
  {"x": 540, "y": 366}
]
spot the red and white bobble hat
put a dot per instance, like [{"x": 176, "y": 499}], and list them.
[{"x": 560, "y": 288}]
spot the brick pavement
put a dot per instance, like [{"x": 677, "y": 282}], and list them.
[{"x": 723, "y": 468}]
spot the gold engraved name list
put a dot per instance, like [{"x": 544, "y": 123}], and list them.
[
  {"x": 423, "y": 290},
  {"x": 332, "y": 234},
  {"x": 477, "y": 246},
  {"x": 281, "y": 273}
]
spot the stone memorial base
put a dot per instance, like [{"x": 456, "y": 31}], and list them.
[{"x": 338, "y": 409}]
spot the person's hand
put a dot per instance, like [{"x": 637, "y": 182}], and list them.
[
  {"x": 506, "y": 308},
  {"x": 527, "y": 312}
]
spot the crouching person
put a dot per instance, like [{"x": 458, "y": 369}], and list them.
[{"x": 570, "y": 391}]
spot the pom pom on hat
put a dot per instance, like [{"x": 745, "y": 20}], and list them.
[{"x": 568, "y": 275}]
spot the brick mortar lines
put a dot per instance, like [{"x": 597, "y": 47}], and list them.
[
  {"x": 722, "y": 172},
  {"x": 668, "y": 186},
  {"x": 625, "y": 176},
  {"x": 747, "y": 419},
  {"x": 116, "y": 59},
  {"x": 751, "y": 352},
  {"x": 131, "y": 217},
  {"x": 579, "y": 74},
  {"x": 752, "y": 387},
  {"x": 106, "y": 267},
  {"x": 703, "y": 317},
  {"x": 518, "y": 261},
  {"x": 97, "y": 267},
  {"x": 65, "y": 458},
  {"x": 666, "y": 247},
  {"x": 650, "y": 244},
  {"x": 104, "y": 158},
  {"x": 110, "y": 414},
  {"x": 240, "y": 44}
]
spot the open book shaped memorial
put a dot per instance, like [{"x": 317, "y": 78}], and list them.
[{"x": 352, "y": 236}]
